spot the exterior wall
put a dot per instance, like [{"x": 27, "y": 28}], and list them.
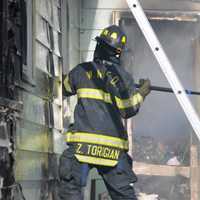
[
  {"x": 39, "y": 138},
  {"x": 55, "y": 45}
]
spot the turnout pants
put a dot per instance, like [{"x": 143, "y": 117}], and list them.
[{"x": 73, "y": 176}]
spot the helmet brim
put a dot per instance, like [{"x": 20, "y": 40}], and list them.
[{"x": 103, "y": 41}]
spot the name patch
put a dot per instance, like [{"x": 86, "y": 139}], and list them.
[{"x": 97, "y": 151}]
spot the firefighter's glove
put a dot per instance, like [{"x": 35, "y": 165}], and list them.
[{"x": 144, "y": 88}]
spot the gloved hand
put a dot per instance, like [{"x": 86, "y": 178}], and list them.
[{"x": 144, "y": 88}]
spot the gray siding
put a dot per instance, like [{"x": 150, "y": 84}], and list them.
[
  {"x": 92, "y": 22},
  {"x": 74, "y": 32}
]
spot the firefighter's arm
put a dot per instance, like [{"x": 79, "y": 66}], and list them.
[
  {"x": 126, "y": 97},
  {"x": 69, "y": 88},
  {"x": 131, "y": 106}
]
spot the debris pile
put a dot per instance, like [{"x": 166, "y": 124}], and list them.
[{"x": 148, "y": 150}]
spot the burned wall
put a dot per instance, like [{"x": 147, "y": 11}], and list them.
[
  {"x": 39, "y": 130},
  {"x": 32, "y": 34}
]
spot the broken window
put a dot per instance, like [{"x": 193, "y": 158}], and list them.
[
  {"x": 48, "y": 55},
  {"x": 19, "y": 39},
  {"x": 48, "y": 33}
]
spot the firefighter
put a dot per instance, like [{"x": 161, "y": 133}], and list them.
[{"x": 106, "y": 94}]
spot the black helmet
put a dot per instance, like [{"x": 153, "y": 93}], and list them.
[{"x": 114, "y": 37}]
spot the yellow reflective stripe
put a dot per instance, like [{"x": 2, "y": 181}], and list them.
[
  {"x": 96, "y": 161},
  {"x": 106, "y": 97},
  {"x": 94, "y": 94},
  {"x": 127, "y": 103},
  {"x": 67, "y": 84},
  {"x": 97, "y": 139}
]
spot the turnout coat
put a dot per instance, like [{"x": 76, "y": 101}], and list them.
[{"x": 106, "y": 93}]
